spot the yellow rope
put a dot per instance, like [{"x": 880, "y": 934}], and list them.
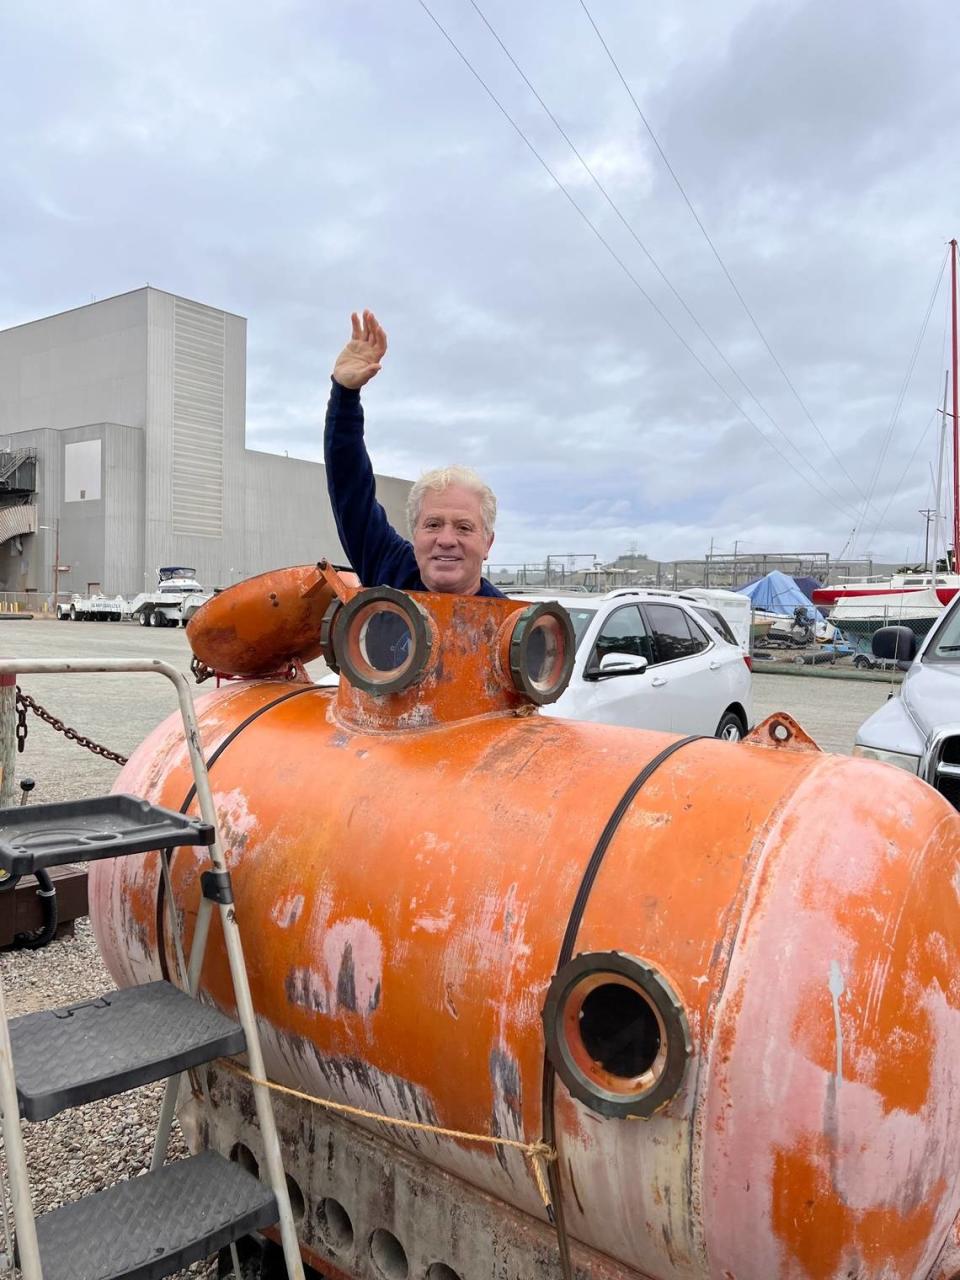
[{"x": 538, "y": 1153}]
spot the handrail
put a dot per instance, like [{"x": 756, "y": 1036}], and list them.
[{"x": 23, "y": 1209}]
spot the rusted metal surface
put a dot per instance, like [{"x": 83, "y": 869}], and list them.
[
  {"x": 404, "y": 870},
  {"x": 260, "y": 625},
  {"x": 438, "y": 1219}
]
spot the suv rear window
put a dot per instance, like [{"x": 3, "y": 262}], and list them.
[
  {"x": 674, "y": 635},
  {"x": 717, "y": 621}
]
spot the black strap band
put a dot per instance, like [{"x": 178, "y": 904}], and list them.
[
  {"x": 603, "y": 844},
  {"x": 566, "y": 953}
]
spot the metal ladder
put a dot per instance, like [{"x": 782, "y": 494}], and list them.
[{"x": 187, "y": 1210}]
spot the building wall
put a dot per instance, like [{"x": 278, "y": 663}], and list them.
[
  {"x": 82, "y": 366},
  {"x": 125, "y": 567},
  {"x": 275, "y": 488},
  {"x": 160, "y": 381}
]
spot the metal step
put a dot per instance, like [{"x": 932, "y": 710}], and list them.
[
  {"x": 64, "y": 1057},
  {"x": 156, "y": 1224},
  {"x": 49, "y": 835}
]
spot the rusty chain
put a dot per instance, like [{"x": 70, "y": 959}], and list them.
[{"x": 25, "y": 703}]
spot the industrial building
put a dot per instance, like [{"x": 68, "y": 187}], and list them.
[{"x": 123, "y": 448}]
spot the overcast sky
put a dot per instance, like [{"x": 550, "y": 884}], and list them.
[{"x": 294, "y": 161}]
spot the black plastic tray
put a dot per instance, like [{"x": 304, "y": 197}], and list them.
[{"x": 49, "y": 835}]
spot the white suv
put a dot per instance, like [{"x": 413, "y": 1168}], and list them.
[{"x": 654, "y": 660}]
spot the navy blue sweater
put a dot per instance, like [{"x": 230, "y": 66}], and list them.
[{"x": 379, "y": 555}]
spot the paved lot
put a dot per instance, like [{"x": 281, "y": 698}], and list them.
[
  {"x": 831, "y": 711},
  {"x": 115, "y": 710},
  {"x": 118, "y": 710}
]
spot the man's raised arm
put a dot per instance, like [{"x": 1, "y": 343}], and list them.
[{"x": 374, "y": 548}]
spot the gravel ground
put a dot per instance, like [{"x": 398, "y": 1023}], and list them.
[{"x": 85, "y": 1149}]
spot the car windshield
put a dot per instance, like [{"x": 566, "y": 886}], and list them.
[
  {"x": 946, "y": 643},
  {"x": 581, "y": 619}
]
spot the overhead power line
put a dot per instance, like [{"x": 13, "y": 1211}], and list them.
[
  {"x": 716, "y": 252},
  {"x": 895, "y": 416},
  {"x": 616, "y": 257},
  {"x": 652, "y": 260}
]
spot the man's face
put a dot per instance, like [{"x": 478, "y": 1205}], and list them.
[{"x": 450, "y": 542}]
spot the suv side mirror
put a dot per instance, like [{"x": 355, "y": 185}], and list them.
[
  {"x": 618, "y": 664},
  {"x": 895, "y": 644}
]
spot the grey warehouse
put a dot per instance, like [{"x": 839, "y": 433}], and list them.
[{"x": 123, "y": 448}]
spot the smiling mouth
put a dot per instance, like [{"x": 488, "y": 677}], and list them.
[{"x": 446, "y": 559}]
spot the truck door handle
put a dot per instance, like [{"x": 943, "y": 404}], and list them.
[{"x": 657, "y": 681}]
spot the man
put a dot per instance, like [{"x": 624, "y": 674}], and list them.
[{"x": 451, "y": 512}]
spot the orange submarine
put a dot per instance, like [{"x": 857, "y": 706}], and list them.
[{"x": 701, "y": 997}]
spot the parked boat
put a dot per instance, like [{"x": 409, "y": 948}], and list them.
[
  {"x": 915, "y": 598},
  {"x": 888, "y": 588},
  {"x": 858, "y": 617}
]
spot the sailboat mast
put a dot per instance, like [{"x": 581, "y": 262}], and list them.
[
  {"x": 956, "y": 434},
  {"x": 939, "y": 497}
]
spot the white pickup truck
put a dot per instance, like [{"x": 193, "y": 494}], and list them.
[{"x": 919, "y": 730}]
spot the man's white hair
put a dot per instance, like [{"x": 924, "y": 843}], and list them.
[{"x": 441, "y": 478}]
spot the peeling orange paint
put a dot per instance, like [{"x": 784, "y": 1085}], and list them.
[
  {"x": 404, "y": 872},
  {"x": 829, "y": 1239}
]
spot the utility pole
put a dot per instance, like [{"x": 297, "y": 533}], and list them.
[
  {"x": 929, "y": 513},
  {"x": 55, "y": 586}
]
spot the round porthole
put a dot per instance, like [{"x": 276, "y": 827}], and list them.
[
  {"x": 381, "y": 640},
  {"x": 541, "y": 652},
  {"x": 326, "y": 636},
  {"x": 616, "y": 1033}
]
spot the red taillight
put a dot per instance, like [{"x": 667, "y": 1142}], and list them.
[{"x": 749, "y": 661}]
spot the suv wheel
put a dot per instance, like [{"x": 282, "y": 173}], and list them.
[{"x": 730, "y": 728}]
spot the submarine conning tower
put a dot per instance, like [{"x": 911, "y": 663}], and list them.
[{"x": 721, "y": 980}]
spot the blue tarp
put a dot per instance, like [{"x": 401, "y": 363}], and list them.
[
  {"x": 776, "y": 593},
  {"x": 808, "y": 586}
]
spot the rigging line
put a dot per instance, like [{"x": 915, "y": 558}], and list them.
[
  {"x": 936, "y": 413},
  {"x": 716, "y": 252},
  {"x": 616, "y": 257},
  {"x": 651, "y": 259},
  {"x": 904, "y": 387},
  {"x": 911, "y": 365},
  {"x": 896, "y": 489}
]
